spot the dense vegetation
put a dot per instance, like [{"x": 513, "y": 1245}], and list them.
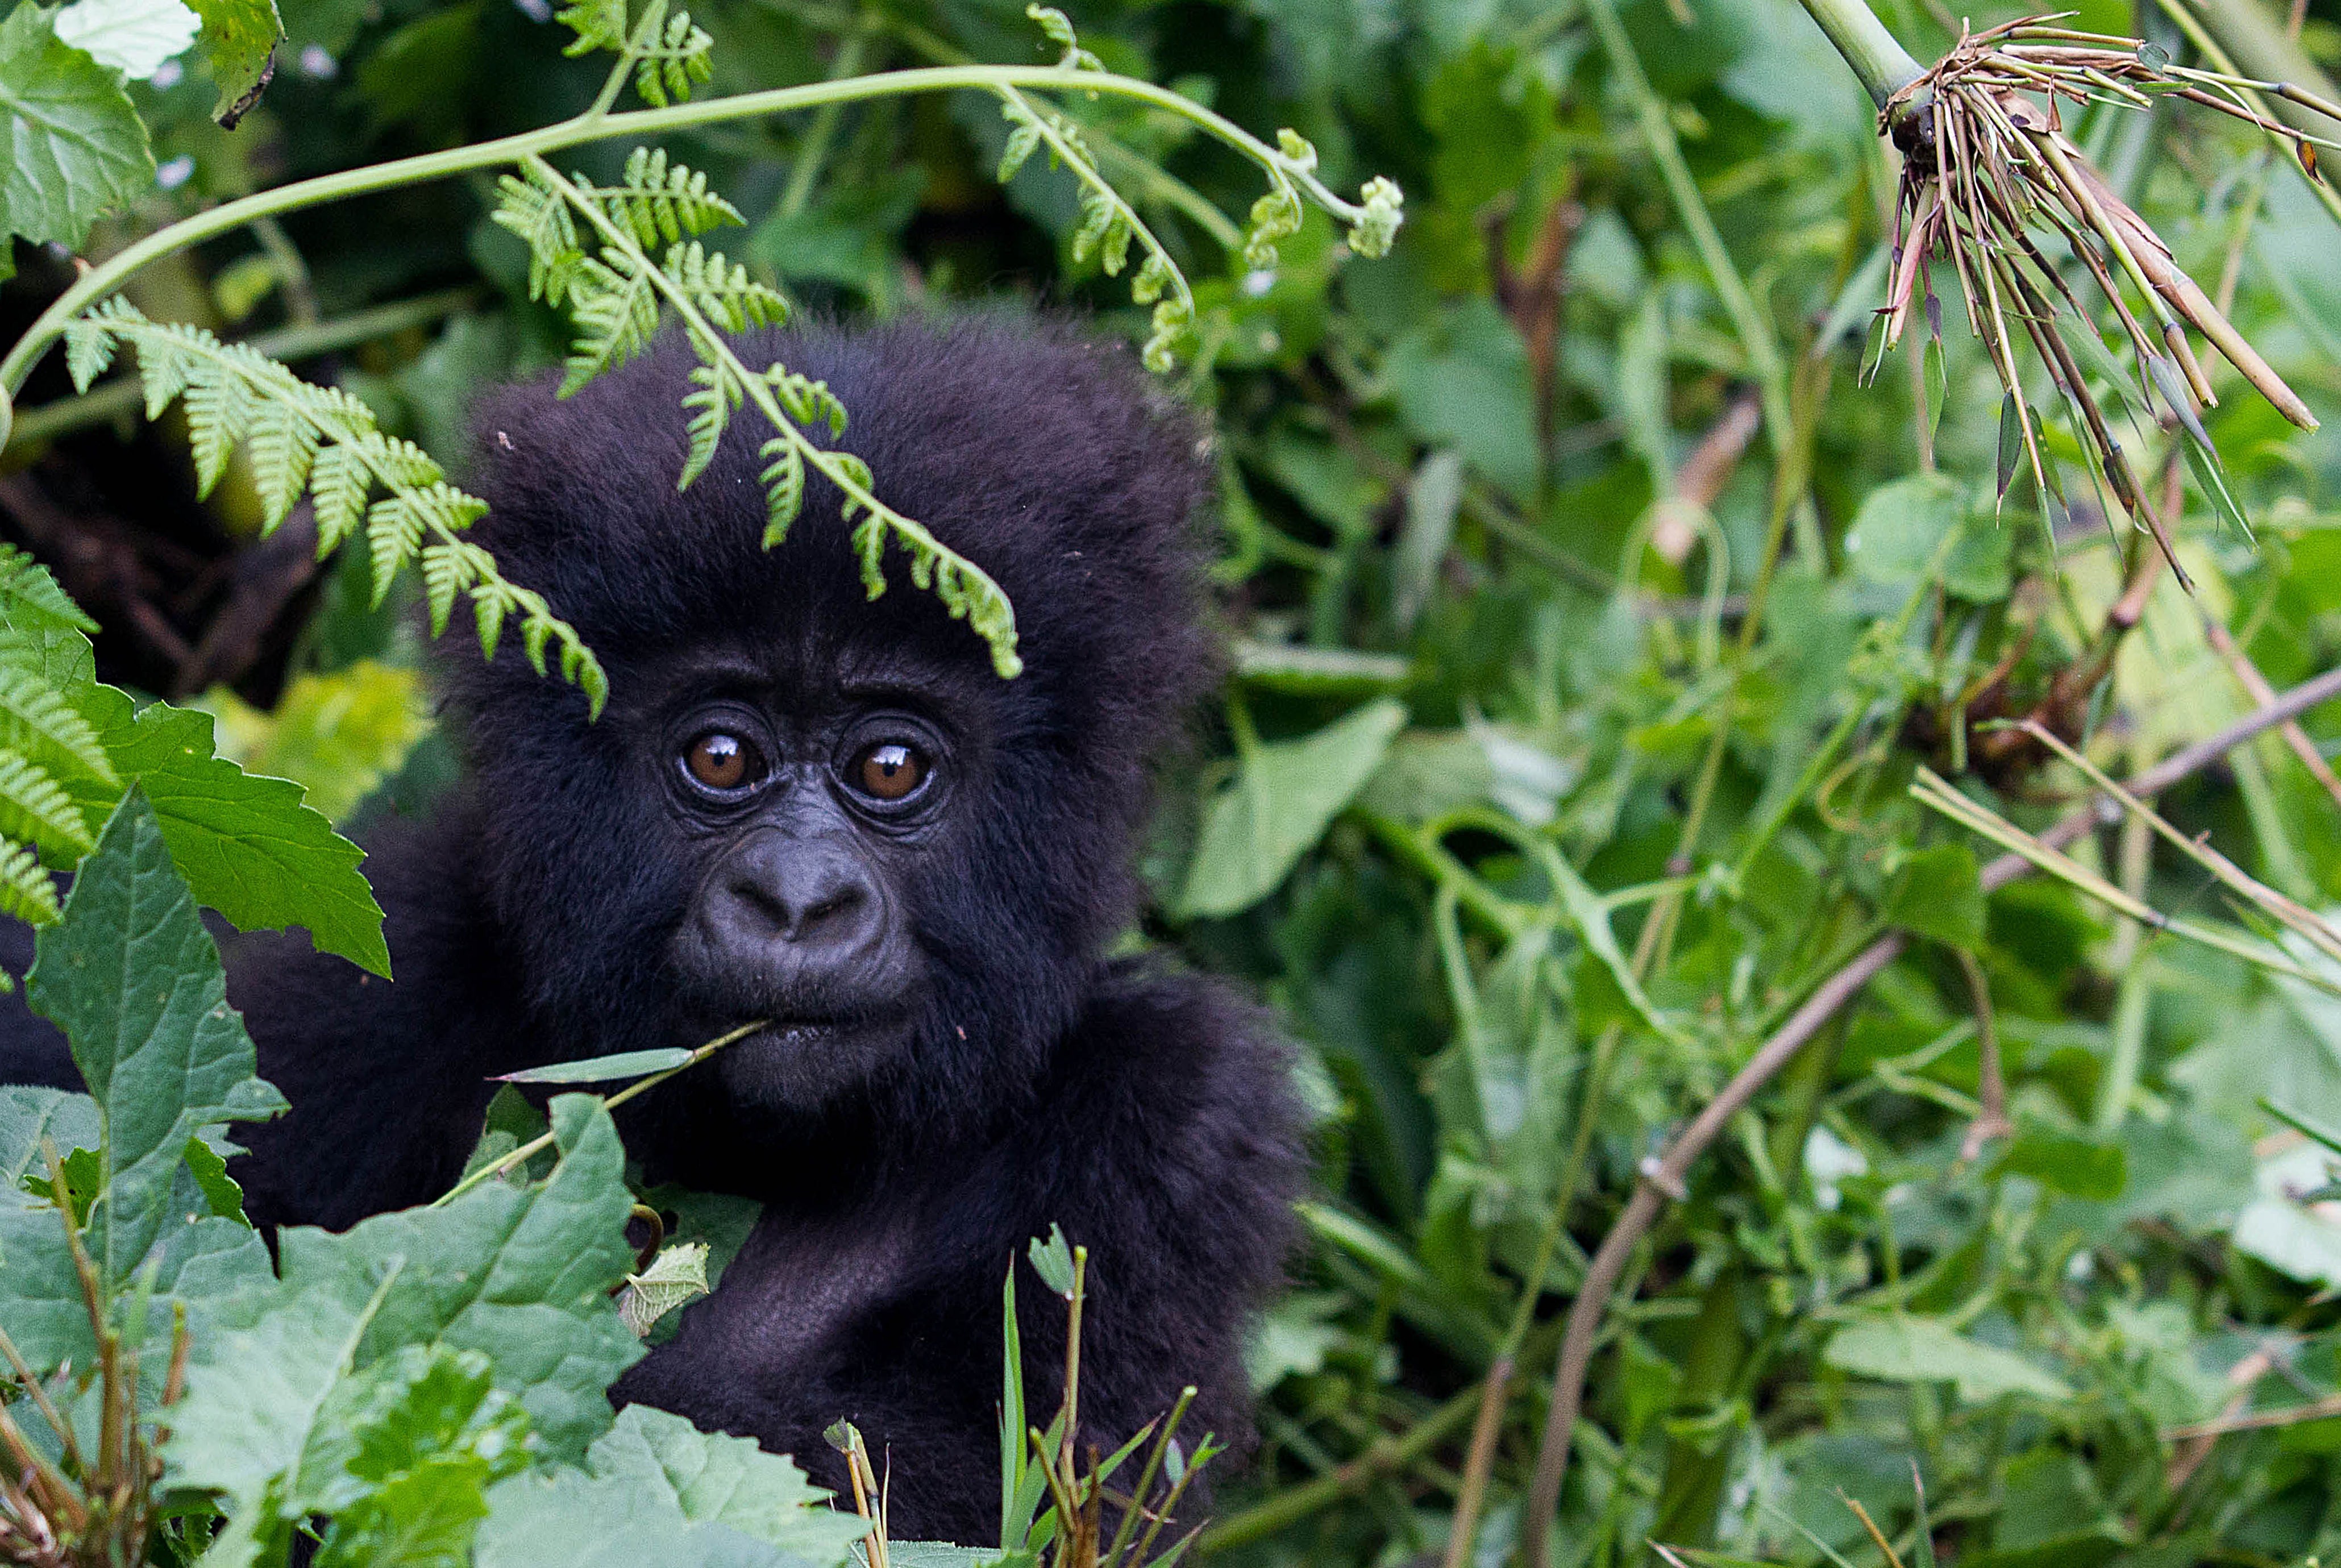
[{"x": 1637, "y": 675}]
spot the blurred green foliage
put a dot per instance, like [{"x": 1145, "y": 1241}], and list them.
[{"x": 1589, "y": 627}]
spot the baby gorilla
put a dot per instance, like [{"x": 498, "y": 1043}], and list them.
[{"x": 807, "y": 807}]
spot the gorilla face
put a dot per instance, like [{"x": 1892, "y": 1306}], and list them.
[
  {"x": 807, "y": 814},
  {"x": 806, "y": 805}
]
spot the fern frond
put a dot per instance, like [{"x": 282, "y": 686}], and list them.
[
  {"x": 614, "y": 301},
  {"x": 598, "y": 23},
  {"x": 809, "y": 402},
  {"x": 783, "y": 479},
  {"x": 32, "y": 711},
  {"x": 26, "y": 890},
  {"x": 284, "y": 446},
  {"x": 300, "y": 432},
  {"x": 673, "y": 64},
  {"x": 88, "y": 352},
  {"x": 540, "y": 216},
  {"x": 219, "y": 410},
  {"x": 27, "y": 592},
  {"x": 338, "y": 480},
  {"x": 34, "y": 805},
  {"x": 710, "y": 295},
  {"x": 393, "y": 532},
  {"x": 447, "y": 569},
  {"x": 1108, "y": 225},
  {"x": 721, "y": 288},
  {"x": 715, "y": 392},
  {"x": 658, "y": 202}
]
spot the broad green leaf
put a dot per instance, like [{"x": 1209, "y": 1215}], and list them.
[
  {"x": 132, "y": 36},
  {"x": 27, "y": 1115},
  {"x": 1283, "y": 797},
  {"x": 403, "y": 1457},
  {"x": 1463, "y": 379},
  {"x": 337, "y": 736},
  {"x": 200, "y": 1259},
  {"x": 414, "y": 1338},
  {"x": 1896, "y": 533},
  {"x": 1903, "y": 1349},
  {"x": 710, "y": 1478},
  {"x": 134, "y": 981},
  {"x": 30, "y": 598},
  {"x": 240, "y": 40},
  {"x": 522, "y": 1277},
  {"x": 1940, "y": 894},
  {"x": 655, "y": 1490},
  {"x": 247, "y": 845},
  {"x": 76, "y": 146},
  {"x": 2080, "y": 1166}
]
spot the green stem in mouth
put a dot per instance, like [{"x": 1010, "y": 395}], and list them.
[{"x": 543, "y": 1141}]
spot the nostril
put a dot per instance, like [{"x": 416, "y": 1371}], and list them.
[
  {"x": 825, "y": 913},
  {"x": 807, "y": 895}
]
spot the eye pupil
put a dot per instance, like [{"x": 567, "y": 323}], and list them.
[
  {"x": 722, "y": 760},
  {"x": 890, "y": 770}
]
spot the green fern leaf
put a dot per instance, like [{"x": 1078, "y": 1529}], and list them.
[
  {"x": 714, "y": 395},
  {"x": 870, "y": 546},
  {"x": 783, "y": 479},
  {"x": 26, "y": 890},
  {"x": 219, "y": 409},
  {"x": 34, "y": 805},
  {"x": 598, "y": 23},
  {"x": 1023, "y": 142},
  {"x": 675, "y": 63},
  {"x": 808, "y": 402},
  {"x": 284, "y": 446},
  {"x": 447, "y": 571},
  {"x": 30, "y": 597},
  {"x": 615, "y": 305},
  {"x": 858, "y": 472},
  {"x": 32, "y": 711},
  {"x": 541, "y": 217},
  {"x": 339, "y": 480},
  {"x": 393, "y": 532},
  {"x": 722, "y": 289},
  {"x": 89, "y": 349}
]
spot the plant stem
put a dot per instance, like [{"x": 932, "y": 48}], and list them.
[
  {"x": 1876, "y": 57},
  {"x": 108, "y": 276},
  {"x": 543, "y": 1141}
]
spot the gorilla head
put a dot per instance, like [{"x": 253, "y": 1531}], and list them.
[{"x": 806, "y": 806}]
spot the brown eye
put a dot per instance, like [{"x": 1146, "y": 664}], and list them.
[
  {"x": 721, "y": 761},
  {"x": 888, "y": 771}
]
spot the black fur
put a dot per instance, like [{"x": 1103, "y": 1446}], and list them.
[{"x": 1036, "y": 1081}]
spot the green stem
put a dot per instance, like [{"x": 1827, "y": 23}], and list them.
[
  {"x": 543, "y": 1141},
  {"x": 1876, "y": 57},
  {"x": 108, "y": 276}
]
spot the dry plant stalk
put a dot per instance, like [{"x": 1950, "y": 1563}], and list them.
[
  {"x": 1988, "y": 175},
  {"x": 84, "y": 1508}
]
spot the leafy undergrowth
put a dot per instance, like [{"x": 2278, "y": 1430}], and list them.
[{"x": 1624, "y": 698}]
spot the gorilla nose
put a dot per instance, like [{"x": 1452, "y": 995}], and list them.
[{"x": 802, "y": 902}]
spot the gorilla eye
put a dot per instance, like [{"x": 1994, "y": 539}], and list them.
[
  {"x": 719, "y": 759},
  {"x": 888, "y": 771}
]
